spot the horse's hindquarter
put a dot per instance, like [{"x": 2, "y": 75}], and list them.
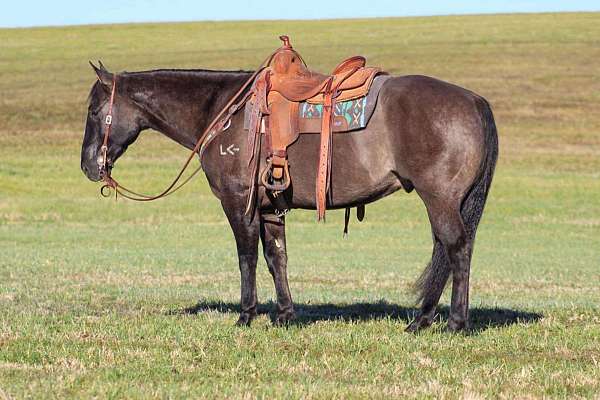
[{"x": 436, "y": 133}]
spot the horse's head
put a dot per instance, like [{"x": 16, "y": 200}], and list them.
[{"x": 128, "y": 119}]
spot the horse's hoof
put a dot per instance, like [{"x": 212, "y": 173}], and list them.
[
  {"x": 457, "y": 326},
  {"x": 418, "y": 325},
  {"x": 285, "y": 318},
  {"x": 245, "y": 319}
]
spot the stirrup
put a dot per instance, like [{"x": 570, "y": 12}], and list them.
[{"x": 267, "y": 176}]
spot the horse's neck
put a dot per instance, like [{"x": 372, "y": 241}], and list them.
[{"x": 184, "y": 109}]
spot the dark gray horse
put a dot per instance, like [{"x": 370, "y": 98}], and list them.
[{"x": 425, "y": 134}]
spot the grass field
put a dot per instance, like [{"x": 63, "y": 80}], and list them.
[{"x": 113, "y": 299}]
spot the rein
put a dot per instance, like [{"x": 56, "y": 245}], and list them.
[{"x": 216, "y": 126}]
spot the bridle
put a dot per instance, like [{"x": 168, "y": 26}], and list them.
[
  {"x": 207, "y": 136},
  {"x": 217, "y": 125},
  {"x": 107, "y": 127}
]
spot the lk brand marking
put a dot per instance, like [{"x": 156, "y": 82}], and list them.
[{"x": 229, "y": 150}]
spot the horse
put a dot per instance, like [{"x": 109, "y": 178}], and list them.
[{"x": 426, "y": 135}]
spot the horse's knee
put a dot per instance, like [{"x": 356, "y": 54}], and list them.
[
  {"x": 271, "y": 249},
  {"x": 247, "y": 261},
  {"x": 275, "y": 255}
]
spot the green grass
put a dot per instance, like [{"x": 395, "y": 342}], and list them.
[{"x": 120, "y": 300}]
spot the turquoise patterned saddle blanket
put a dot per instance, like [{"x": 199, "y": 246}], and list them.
[{"x": 348, "y": 115}]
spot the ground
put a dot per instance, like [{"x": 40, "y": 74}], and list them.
[{"x": 114, "y": 299}]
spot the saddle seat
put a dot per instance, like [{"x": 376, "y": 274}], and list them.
[
  {"x": 290, "y": 77},
  {"x": 276, "y": 96}
]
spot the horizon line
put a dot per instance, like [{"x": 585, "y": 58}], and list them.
[{"x": 183, "y": 21}]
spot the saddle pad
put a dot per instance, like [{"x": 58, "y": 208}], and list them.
[{"x": 348, "y": 115}]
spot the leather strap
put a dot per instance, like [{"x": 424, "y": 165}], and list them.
[
  {"x": 108, "y": 124},
  {"x": 323, "y": 182},
  {"x": 324, "y": 153}
]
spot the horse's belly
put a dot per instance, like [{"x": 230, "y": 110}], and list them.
[{"x": 362, "y": 169}]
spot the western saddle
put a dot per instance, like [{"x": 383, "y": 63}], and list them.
[{"x": 276, "y": 95}]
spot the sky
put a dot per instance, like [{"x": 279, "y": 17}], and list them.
[{"x": 26, "y": 13}]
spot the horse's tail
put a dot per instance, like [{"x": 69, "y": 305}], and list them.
[
  {"x": 474, "y": 202},
  {"x": 438, "y": 270}
]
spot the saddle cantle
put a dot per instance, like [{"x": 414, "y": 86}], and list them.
[{"x": 274, "y": 111}]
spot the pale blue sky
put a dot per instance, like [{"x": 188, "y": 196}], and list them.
[{"x": 73, "y": 12}]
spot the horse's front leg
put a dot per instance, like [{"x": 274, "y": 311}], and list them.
[
  {"x": 272, "y": 235},
  {"x": 246, "y": 232}
]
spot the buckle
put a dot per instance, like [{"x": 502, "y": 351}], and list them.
[
  {"x": 108, "y": 119},
  {"x": 226, "y": 125}
]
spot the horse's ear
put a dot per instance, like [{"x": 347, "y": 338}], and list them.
[
  {"x": 105, "y": 77},
  {"x": 102, "y": 67}
]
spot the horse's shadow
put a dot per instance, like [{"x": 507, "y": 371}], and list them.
[{"x": 481, "y": 318}]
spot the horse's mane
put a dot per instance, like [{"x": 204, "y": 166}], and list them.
[
  {"x": 166, "y": 72},
  {"x": 178, "y": 71}
]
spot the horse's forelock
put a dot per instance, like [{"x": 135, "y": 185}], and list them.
[{"x": 93, "y": 98}]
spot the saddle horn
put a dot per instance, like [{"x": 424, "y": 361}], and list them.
[{"x": 286, "y": 41}]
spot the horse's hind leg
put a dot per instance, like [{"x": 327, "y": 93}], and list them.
[
  {"x": 450, "y": 235},
  {"x": 272, "y": 235}
]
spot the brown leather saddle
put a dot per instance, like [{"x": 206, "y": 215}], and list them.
[{"x": 276, "y": 96}]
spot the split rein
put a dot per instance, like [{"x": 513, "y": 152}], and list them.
[{"x": 207, "y": 136}]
